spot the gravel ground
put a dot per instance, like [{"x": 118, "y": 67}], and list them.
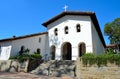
[{"x": 22, "y": 75}]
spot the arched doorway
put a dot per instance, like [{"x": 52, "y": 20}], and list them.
[
  {"x": 81, "y": 49},
  {"x": 52, "y": 52},
  {"x": 66, "y": 51}
]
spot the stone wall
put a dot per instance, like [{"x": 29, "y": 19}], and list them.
[
  {"x": 19, "y": 66},
  {"x": 111, "y": 71},
  {"x": 9, "y": 66},
  {"x": 13, "y": 66}
]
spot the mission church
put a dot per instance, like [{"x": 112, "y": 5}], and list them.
[{"x": 69, "y": 35}]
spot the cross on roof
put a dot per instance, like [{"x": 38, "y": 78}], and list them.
[{"x": 65, "y": 7}]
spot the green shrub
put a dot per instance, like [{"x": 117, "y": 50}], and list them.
[
  {"x": 88, "y": 58},
  {"x": 100, "y": 60},
  {"x": 117, "y": 59},
  {"x": 26, "y": 56},
  {"x": 35, "y": 56},
  {"x": 20, "y": 57}
]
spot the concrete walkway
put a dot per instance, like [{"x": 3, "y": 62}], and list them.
[{"x": 22, "y": 75}]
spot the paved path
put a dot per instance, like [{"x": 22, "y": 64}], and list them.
[{"x": 21, "y": 75}]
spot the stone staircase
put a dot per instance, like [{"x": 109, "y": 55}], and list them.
[{"x": 56, "y": 68}]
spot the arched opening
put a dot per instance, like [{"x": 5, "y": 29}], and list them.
[
  {"x": 66, "y": 30},
  {"x": 81, "y": 49},
  {"x": 66, "y": 51},
  {"x": 56, "y": 31},
  {"x": 38, "y": 51},
  {"x": 52, "y": 52},
  {"x": 78, "y": 28}
]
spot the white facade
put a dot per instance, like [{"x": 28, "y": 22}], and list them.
[
  {"x": 33, "y": 43},
  {"x": 88, "y": 40},
  {"x": 73, "y": 37},
  {"x": 59, "y": 45}
]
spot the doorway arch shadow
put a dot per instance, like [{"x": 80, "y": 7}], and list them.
[{"x": 66, "y": 51}]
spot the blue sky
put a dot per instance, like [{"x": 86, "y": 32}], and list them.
[{"x": 23, "y": 17}]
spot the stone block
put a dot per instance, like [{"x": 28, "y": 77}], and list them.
[
  {"x": 14, "y": 66},
  {"x": 5, "y": 65}
]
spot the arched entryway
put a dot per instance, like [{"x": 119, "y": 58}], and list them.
[
  {"x": 66, "y": 51},
  {"x": 81, "y": 49},
  {"x": 52, "y": 52}
]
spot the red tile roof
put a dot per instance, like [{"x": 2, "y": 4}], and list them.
[{"x": 112, "y": 45}]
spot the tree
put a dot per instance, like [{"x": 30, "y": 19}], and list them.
[{"x": 112, "y": 30}]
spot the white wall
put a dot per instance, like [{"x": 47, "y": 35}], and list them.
[
  {"x": 30, "y": 42},
  {"x": 73, "y": 36},
  {"x": 98, "y": 47}
]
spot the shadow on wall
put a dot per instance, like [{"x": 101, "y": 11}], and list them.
[{"x": 54, "y": 40}]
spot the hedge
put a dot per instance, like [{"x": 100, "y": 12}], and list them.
[{"x": 101, "y": 59}]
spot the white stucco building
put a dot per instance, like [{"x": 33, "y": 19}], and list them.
[
  {"x": 69, "y": 35},
  {"x": 12, "y": 46}
]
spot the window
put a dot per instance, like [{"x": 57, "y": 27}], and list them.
[
  {"x": 56, "y": 31},
  {"x": 78, "y": 27},
  {"x": 38, "y": 51},
  {"x": 22, "y": 49},
  {"x": 66, "y": 30},
  {"x": 39, "y": 39},
  {"x": 82, "y": 49},
  {"x": 52, "y": 52}
]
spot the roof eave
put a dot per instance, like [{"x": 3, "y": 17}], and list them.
[
  {"x": 66, "y": 13},
  {"x": 22, "y": 37}
]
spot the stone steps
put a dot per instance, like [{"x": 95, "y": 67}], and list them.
[{"x": 56, "y": 68}]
